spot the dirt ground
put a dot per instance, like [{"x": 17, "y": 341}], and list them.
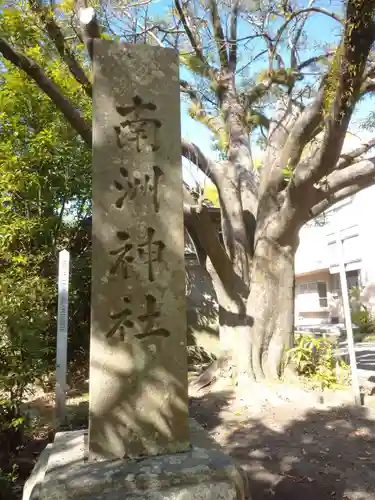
[
  {"x": 290, "y": 450},
  {"x": 293, "y": 451}
]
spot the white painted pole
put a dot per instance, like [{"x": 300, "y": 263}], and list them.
[
  {"x": 62, "y": 337},
  {"x": 348, "y": 319}
]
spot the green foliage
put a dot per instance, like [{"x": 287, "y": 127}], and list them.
[
  {"x": 364, "y": 320},
  {"x": 13, "y": 425},
  {"x": 193, "y": 63},
  {"x": 314, "y": 358},
  {"x": 210, "y": 193},
  {"x": 45, "y": 199},
  {"x": 214, "y": 123},
  {"x": 287, "y": 172},
  {"x": 6, "y": 481},
  {"x": 361, "y": 316}
]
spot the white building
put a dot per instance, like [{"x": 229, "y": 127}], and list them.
[{"x": 317, "y": 299}]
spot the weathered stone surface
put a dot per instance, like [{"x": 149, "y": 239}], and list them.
[
  {"x": 31, "y": 489},
  {"x": 203, "y": 472},
  {"x": 138, "y": 368}
]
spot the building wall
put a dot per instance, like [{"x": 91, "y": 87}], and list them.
[
  {"x": 311, "y": 300},
  {"x": 355, "y": 218}
]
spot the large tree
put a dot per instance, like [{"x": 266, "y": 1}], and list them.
[{"x": 303, "y": 119}]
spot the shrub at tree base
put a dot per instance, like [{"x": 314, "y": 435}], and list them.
[
  {"x": 361, "y": 316},
  {"x": 364, "y": 320},
  {"x": 314, "y": 358}
]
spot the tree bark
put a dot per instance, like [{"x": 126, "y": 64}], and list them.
[{"x": 271, "y": 306}]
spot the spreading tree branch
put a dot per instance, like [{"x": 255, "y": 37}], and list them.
[
  {"x": 296, "y": 38},
  {"x": 204, "y": 234},
  {"x": 363, "y": 171},
  {"x": 302, "y": 132},
  {"x": 315, "y": 59},
  {"x": 347, "y": 159},
  {"x": 342, "y": 183},
  {"x": 260, "y": 118},
  {"x": 277, "y": 76},
  {"x": 301, "y": 12},
  {"x": 221, "y": 43},
  {"x": 198, "y": 112},
  {"x": 368, "y": 86},
  {"x": 342, "y": 86},
  {"x": 57, "y": 37},
  {"x": 193, "y": 153},
  {"x": 195, "y": 43},
  {"x": 37, "y": 74},
  {"x": 233, "y": 37}
]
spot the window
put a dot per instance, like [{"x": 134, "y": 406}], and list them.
[
  {"x": 322, "y": 293},
  {"x": 350, "y": 248},
  {"x": 352, "y": 278},
  {"x": 313, "y": 295}
]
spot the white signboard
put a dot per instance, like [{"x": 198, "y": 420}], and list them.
[{"x": 62, "y": 336}]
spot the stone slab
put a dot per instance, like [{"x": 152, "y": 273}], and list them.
[
  {"x": 138, "y": 366},
  {"x": 203, "y": 472}
]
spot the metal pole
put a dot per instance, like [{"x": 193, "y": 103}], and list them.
[
  {"x": 62, "y": 337},
  {"x": 348, "y": 320}
]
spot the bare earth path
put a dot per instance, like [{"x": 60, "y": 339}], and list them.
[{"x": 294, "y": 453}]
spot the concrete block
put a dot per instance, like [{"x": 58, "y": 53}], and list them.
[{"x": 204, "y": 472}]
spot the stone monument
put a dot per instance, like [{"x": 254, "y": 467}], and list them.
[
  {"x": 140, "y": 442},
  {"x": 138, "y": 370}
]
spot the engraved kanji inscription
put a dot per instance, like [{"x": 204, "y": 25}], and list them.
[
  {"x": 122, "y": 321},
  {"x": 124, "y": 256},
  {"x": 151, "y": 251},
  {"x": 147, "y": 252},
  {"x": 145, "y": 185},
  {"x": 136, "y": 127},
  {"x": 146, "y": 322},
  {"x": 149, "y": 318}
]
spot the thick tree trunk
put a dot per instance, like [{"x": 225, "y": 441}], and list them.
[
  {"x": 270, "y": 306},
  {"x": 232, "y": 317},
  {"x": 254, "y": 338}
]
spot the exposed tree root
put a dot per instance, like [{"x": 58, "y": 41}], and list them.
[{"x": 250, "y": 393}]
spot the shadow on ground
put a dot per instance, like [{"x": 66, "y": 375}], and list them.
[
  {"x": 289, "y": 453},
  {"x": 293, "y": 455}
]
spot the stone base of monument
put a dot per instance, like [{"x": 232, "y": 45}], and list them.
[{"x": 203, "y": 472}]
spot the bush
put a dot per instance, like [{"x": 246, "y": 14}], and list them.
[
  {"x": 314, "y": 358},
  {"x": 364, "y": 320},
  {"x": 23, "y": 325},
  {"x": 360, "y": 314},
  {"x": 12, "y": 426},
  {"x": 6, "y": 482}
]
